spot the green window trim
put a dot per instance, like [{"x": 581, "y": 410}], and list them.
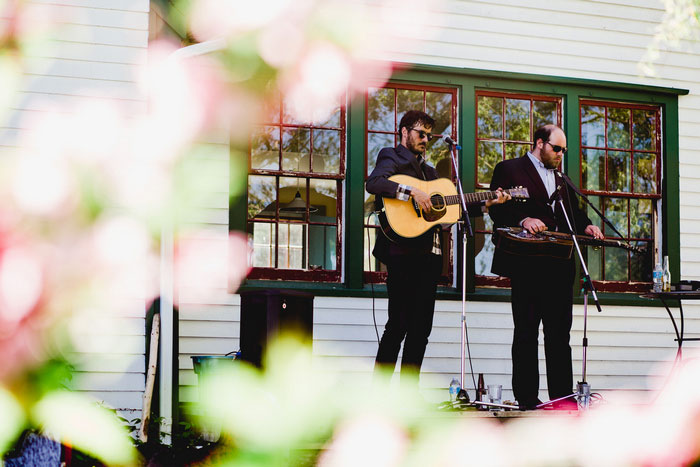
[{"x": 467, "y": 81}]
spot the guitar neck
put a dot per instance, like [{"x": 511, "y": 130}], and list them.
[{"x": 473, "y": 197}]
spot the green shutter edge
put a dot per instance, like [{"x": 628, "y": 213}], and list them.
[{"x": 467, "y": 81}]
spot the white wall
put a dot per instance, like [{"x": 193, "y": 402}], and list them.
[{"x": 93, "y": 53}]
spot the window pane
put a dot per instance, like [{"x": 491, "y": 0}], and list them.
[
  {"x": 296, "y": 146},
  {"x": 333, "y": 119},
  {"x": 616, "y": 212},
  {"x": 438, "y": 155},
  {"x": 261, "y": 196},
  {"x": 408, "y": 100},
  {"x": 322, "y": 247},
  {"x": 619, "y": 171},
  {"x": 263, "y": 245},
  {"x": 324, "y": 198},
  {"x": 642, "y": 263},
  {"x": 484, "y": 255},
  {"x": 593, "y": 169},
  {"x": 514, "y": 151},
  {"x": 544, "y": 113},
  {"x": 297, "y": 248},
  {"x": 517, "y": 119},
  {"x": 439, "y": 106},
  {"x": 375, "y": 143},
  {"x": 265, "y": 148},
  {"x": 594, "y": 263},
  {"x": 370, "y": 235},
  {"x": 490, "y": 117},
  {"x": 618, "y": 128},
  {"x": 380, "y": 109},
  {"x": 326, "y": 151},
  {"x": 292, "y": 198},
  {"x": 616, "y": 268},
  {"x": 283, "y": 247},
  {"x": 644, "y": 173},
  {"x": 369, "y": 206},
  {"x": 271, "y": 112},
  {"x": 490, "y": 154},
  {"x": 592, "y": 126},
  {"x": 641, "y": 218},
  {"x": 291, "y": 248},
  {"x": 644, "y": 129},
  {"x": 288, "y": 117}
]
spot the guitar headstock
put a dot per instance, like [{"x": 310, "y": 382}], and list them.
[{"x": 519, "y": 193}]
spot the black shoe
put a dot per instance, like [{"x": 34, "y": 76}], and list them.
[{"x": 529, "y": 404}]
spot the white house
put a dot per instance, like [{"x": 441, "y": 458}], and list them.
[{"x": 489, "y": 71}]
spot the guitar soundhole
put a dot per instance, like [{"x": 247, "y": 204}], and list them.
[{"x": 438, "y": 211}]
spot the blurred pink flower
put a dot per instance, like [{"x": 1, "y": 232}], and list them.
[
  {"x": 22, "y": 292},
  {"x": 205, "y": 265}
]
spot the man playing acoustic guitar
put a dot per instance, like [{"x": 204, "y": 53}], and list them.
[{"x": 413, "y": 265}]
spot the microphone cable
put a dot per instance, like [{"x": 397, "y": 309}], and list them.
[{"x": 371, "y": 282}]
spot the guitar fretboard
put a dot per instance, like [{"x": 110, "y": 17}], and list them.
[{"x": 472, "y": 197}]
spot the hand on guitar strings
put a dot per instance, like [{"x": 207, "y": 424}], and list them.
[
  {"x": 501, "y": 197},
  {"x": 594, "y": 231},
  {"x": 533, "y": 225},
  {"x": 422, "y": 198}
]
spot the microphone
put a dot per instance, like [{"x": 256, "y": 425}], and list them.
[
  {"x": 555, "y": 195},
  {"x": 448, "y": 139}
]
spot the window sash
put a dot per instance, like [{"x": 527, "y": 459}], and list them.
[{"x": 317, "y": 235}]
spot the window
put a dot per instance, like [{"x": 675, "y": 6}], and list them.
[
  {"x": 621, "y": 173},
  {"x": 295, "y": 196},
  {"x": 505, "y": 125},
  {"x": 385, "y": 107}
]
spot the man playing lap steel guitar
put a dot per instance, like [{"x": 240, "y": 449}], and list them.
[
  {"x": 413, "y": 265},
  {"x": 541, "y": 286}
]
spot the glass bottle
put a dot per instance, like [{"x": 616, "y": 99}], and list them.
[
  {"x": 666, "y": 276},
  {"x": 481, "y": 392}
]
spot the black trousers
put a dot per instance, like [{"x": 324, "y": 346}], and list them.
[
  {"x": 411, "y": 285},
  {"x": 543, "y": 292}
]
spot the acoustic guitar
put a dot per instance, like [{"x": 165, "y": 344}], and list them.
[{"x": 405, "y": 219}]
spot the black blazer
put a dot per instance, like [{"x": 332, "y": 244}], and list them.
[
  {"x": 521, "y": 172},
  {"x": 400, "y": 160}
]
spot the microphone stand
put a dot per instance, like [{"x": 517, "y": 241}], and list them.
[
  {"x": 583, "y": 389},
  {"x": 465, "y": 230}
]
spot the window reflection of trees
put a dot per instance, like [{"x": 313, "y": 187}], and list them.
[{"x": 632, "y": 171}]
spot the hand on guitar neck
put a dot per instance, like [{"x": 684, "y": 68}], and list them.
[{"x": 424, "y": 202}]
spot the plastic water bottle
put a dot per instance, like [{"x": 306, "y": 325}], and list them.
[
  {"x": 454, "y": 389},
  {"x": 658, "y": 278}
]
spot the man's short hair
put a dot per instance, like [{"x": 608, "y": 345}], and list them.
[
  {"x": 543, "y": 133},
  {"x": 413, "y": 117}
]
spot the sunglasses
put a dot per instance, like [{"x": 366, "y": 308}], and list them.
[
  {"x": 422, "y": 134},
  {"x": 558, "y": 148}
]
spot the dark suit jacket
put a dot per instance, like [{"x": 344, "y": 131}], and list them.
[
  {"x": 392, "y": 161},
  {"x": 521, "y": 172}
]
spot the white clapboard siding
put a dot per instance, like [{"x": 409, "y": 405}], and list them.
[{"x": 93, "y": 53}]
